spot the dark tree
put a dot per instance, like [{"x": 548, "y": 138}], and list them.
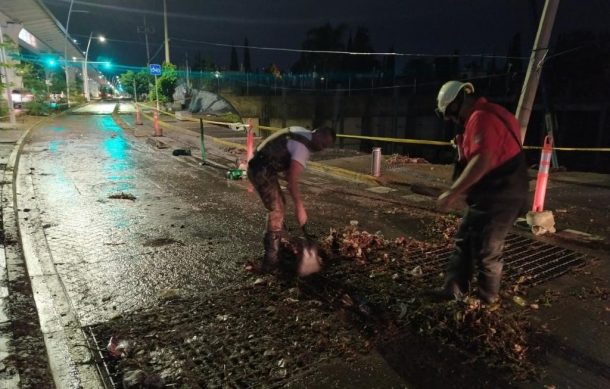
[
  {"x": 514, "y": 63},
  {"x": 419, "y": 69},
  {"x": 389, "y": 65},
  {"x": 234, "y": 66},
  {"x": 327, "y": 38},
  {"x": 202, "y": 64},
  {"x": 581, "y": 69},
  {"x": 362, "y": 44},
  {"x": 247, "y": 65}
]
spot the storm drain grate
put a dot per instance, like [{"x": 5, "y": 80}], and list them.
[
  {"x": 530, "y": 260},
  {"x": 246, "y": 337},
  {"x": 273, "y": 334}
]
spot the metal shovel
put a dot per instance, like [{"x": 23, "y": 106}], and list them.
[{"x": 309, "y": 261}]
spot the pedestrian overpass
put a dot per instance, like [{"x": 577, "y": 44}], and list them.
[{"x": 31, "y": 25}]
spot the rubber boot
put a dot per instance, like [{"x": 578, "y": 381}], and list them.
[{"x": 271, "y": 243}]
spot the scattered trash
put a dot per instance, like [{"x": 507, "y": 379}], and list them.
[
  {"x": 179, "y": 152},
  {"x": 122, "y": 196},
  {"x": 541, "y": 222},
  {"x": 416, "y": 271},
  {"x": 249, "y": 266},
  {"x": 235, "y": 174},
  {"x": 403, "y": 310},
  {"x": 118, "y": 348},
  {"x": 222, "y": 317},
  {"x": 519, "y": 301},
  {"x": 399, "y": 160},
  {"x": 168, "y": 294}
]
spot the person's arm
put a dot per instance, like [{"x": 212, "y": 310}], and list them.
[
  {"x": 292, "y": 177},
  {"x": 476, "y": 168}
]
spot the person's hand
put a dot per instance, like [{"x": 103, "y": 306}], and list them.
[
  {"x": 301, "y": 215},
  {"x": 448, "y": 200}
]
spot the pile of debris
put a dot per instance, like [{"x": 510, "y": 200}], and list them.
[
  {"x": 401, "y": 160},
  {"x": 394, "y": 273}
]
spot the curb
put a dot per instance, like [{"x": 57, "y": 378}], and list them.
[
  {"x": 69, "y": 361},
  {"x": 343, "y": 174}
]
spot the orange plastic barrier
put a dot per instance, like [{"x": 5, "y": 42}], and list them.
[
  {"x": 249, "y": 142},
  {"x": 543, "y": 175},
  {"x": 156, "y": 126},
  {"x": 138, "y": 115}
]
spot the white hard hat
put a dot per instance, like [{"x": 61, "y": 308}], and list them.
[{"x": 449, "y": 91}]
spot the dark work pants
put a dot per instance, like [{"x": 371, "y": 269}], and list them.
[
  {"x": 267, "y": 185},
  {"x": 479, "y": 241}
]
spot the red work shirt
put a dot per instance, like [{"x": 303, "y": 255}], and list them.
[{"x": 487, "y": 130}]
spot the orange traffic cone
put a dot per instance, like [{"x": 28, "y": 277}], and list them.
[
  {"x": 156, "y": 126},
  {"x": 138, "y": 116}
]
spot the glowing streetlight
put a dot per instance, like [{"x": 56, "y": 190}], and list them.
[{"x": 102, "y": 39}]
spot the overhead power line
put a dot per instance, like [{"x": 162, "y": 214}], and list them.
[{"x": 397, "y": 54}]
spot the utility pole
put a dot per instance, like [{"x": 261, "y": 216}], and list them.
[
  {"x": 534, "y": 69},
  {"x": 166, "y": 33},
  {"x": 146, "y": 30}
]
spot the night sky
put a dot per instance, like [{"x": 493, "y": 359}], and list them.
[{"x": 410, "y": 26}]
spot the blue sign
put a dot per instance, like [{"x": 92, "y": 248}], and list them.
[{"x": 155, "y": 69}]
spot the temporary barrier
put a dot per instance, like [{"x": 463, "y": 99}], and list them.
[
  {"x": 138, "y": 115},
  {"x": 202, "y": 140},
  {"x": 376, "y": 162},
  {"x": 249, "y": 142},
  {"x": 157, "y": 128},
  {"x": 543, "y": 175}
]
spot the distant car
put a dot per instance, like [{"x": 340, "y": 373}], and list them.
[
  {"x": 105, "y": 95},
  {"x": 20, "y": 97}
]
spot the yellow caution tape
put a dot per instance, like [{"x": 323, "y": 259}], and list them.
[
  {"x": 394, "y": 140},
  {"x": 214, "y": 139},
  {"x": 235, "y": 124},
  {"x": 596, "y": 149}
]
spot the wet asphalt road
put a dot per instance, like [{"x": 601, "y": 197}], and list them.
[
  {"x": 189, "y": 232},
  {"x": 188, "y": 228}
]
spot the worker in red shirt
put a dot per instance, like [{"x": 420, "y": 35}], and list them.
[{"x": 493, "y": 182}]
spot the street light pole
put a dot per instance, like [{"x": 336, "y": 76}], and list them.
[
  {"x": 86, "y": 71},
  {"x": 166, "y": 33},
  {"x": 85, "y": 67},
  {"x": 66, "y": 53}
]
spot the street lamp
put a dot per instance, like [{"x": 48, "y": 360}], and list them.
[
  {"x": 217, "y": 75},
  {"x": 102, "y": 39},
  {"x": 70, "y": 11}
]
